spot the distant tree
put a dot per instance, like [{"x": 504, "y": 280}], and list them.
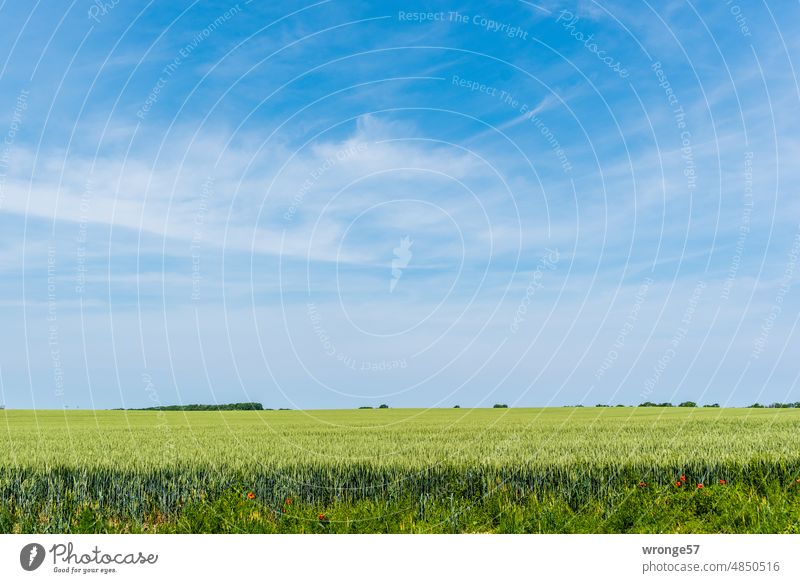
[
  {"x": 365, "y": 407},
  {"x": 620, "y": 405},
  {"x": 688, "y": 404},
  {"x": 648, "y": 404},
  {"x": 500, "y": 406},
  {"x": 712, "y": 405},
  {"x": 756, "y": 406},
  {"x": 383, "y": 406},
  {"x": 602, "y": 405},
  {"x": 664, "y": 405},
  {"x": 456, "y": 406}
]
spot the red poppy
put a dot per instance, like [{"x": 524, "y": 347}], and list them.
[
  {"x": 699, "y": 486},
  {"x": 250, "y": 495},
  {"x": 678, "y": 484},
  {"x": 323, "y": 518},
  {"x": 683, "y": 478},
  {"x": 642, "y": 484},
  {"x": 722, "y": 482},
  {"x": 288, "y": 500}
]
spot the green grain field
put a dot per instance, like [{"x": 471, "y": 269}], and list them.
[{"x": 402, "y": 470}]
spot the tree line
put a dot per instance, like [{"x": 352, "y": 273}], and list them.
[{"x": 196, "y": 407}]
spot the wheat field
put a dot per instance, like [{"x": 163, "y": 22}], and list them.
[{"x": 134, "y": 464}]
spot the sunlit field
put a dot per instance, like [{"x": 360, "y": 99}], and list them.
[{"x": 402, "y": 470}]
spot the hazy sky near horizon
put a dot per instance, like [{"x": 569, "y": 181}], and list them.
[{"x": 334, "y": 204}]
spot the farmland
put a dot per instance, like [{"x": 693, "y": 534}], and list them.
[{"x": 401, "y": 470}]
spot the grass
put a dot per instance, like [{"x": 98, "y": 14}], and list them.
[{"x": 401, "y": 470}]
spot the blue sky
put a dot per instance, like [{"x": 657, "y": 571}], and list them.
[{"x": 337, "y": 204}]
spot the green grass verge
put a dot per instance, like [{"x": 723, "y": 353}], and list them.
[{"x": 664, "y": 509}]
